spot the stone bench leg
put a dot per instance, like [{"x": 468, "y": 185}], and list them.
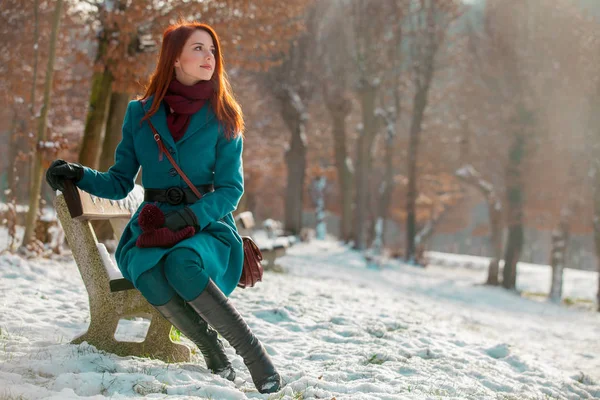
[
  {"x": 106, "y": 308},
  {"x": 270, "y": 257}
]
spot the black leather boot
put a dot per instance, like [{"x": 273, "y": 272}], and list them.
[
  {"x": 215, "y": 308},
  {"x": 184, "y": 318}
]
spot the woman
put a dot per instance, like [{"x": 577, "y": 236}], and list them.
[{"x": 190, "y": 103}]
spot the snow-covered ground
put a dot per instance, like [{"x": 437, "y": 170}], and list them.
[
  {"x": 334, "y": 328},
  {"x": 579, "y": 286}
]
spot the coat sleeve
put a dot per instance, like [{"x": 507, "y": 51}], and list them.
[
  {"x": 228, "y": 182},
  {"x": 119, "y": 180}
]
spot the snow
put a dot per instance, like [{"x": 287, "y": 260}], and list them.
[
  {"x": 334, "y": 328},
  {"x": 531, "y": 278},
  {"x": 48, "y": 213}
]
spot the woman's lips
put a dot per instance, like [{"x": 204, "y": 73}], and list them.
[{"x": 208, "y": 67}]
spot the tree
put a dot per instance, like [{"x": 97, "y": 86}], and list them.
[
  {"x": 293, "y": 92},
  {"x": 471, "y": 176},
  {"x": 371, "y": 23},
  {"x": 528, "y": 88},
  {"x": 334, "y": 54},
  {"x": 390, "y": 113},
  {"x": 36, "y": 183},
  {"x": 430, "y": 21}
]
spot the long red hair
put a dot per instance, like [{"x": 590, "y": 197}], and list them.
[{"x": 224, "y": 104}]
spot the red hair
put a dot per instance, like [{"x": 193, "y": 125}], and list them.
[{"x": 226, "y": 108}]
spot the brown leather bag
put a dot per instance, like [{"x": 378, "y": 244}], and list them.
[{"x": 252, "y": 270}]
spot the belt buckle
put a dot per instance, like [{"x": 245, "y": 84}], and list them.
[{"x": 174, "y": 195}]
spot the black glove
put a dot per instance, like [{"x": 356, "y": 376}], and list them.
[
  {"x": 179, "y": 219},
  {"x": 60, "y": 170}
]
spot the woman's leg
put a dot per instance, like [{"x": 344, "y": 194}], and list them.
[
  {"x": 186, "y": 319},
  {"x": 216, "y": 309},
  {"x": 185, "y": 273},
  {"x": 154, "y": 286}
]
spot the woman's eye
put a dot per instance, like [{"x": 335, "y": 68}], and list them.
[{"x": 213, "y": 51}]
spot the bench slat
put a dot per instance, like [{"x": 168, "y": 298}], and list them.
[
  {"x": 245, "y": 219},
  {"x": 84, "y": 206},
  {"x": 116, "y": 281}
]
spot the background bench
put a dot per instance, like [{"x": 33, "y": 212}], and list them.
[
  {"x": 109, "y": 294},
  {"x": 270, "y": 247}
]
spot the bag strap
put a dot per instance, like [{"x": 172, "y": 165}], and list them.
[{"x": 162, "y": 149}]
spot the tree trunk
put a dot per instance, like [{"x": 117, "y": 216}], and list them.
[
  {"x": 116, "y": 114},
  {"x": 596, "y": 219},
  {"x": 295, "y": 116},
  {"x": 514, "y": 212},
  {"x": 12, "y": 185},
  {"x": 339, "y": 108},
  {"x": 363, "y": 163},
  {"x": 495, "y": 215},
  {"x": 388, "y": 184},
  {"x": 424, "y": 235},
  {"x": 560, "y": 240},
  {"x": 471, "y": 176},
  {"x": 13, "y": 152},
  {"x": 98, "y": 110},
  {"x": 36, "y": 183},
  {"x": 295, "y": 159},
  {"x": 95, "y": 124},
  {"x": 419, "y": 104}
]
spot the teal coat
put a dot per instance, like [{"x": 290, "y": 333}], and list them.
[{"x": 206, "y": 156}]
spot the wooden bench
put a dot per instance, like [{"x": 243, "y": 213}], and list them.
[
  {"x": 111, "y": 297},
  {"x": 271, "y": 249}
]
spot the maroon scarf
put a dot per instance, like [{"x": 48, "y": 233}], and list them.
[{"x": 185, "y": 101}]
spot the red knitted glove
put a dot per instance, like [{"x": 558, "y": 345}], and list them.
[
  {"x": 163, "y": 237},
  {"x": 151, "y": 219}
]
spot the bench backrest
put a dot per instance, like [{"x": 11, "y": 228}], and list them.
[
  {"x": 82, "y": 208},
  {"x": 245, "y": 222},
  {"x": 85, "y": 206}
]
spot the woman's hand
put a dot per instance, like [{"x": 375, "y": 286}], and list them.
[
  {"x": 60, "y": 170},
  {"x": 179, "y": 219}
]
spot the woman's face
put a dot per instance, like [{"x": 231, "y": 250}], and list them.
[{"x": 197, "y": 60}]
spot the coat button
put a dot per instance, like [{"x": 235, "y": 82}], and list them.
[
  {"x": 171, "y": 150},
  {"x": 172, "y": 172}
]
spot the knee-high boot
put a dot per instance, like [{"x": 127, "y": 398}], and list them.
[
  {"x": 215, "y": 308},
  {"x": 184, "y": 318}
]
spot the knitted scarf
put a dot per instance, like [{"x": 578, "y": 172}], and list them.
[{"x": 185, "y": 101}]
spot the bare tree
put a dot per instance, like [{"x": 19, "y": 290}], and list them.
[
  {"x": 334, "y": 53},
  {"x": 390, "y": 112},
  {"x": 36, "y": 182},
  {"x": 291, "y": 84},
  {"x": 370, "y": 20},
  {"x": 494, "y": 203},
  {"x": 430, "y": 21}
]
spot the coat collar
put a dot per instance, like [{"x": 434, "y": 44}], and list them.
[{"x": 159, "y": 120}]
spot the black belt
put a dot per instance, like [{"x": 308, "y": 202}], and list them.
[{"x": 176, "y": 195}]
